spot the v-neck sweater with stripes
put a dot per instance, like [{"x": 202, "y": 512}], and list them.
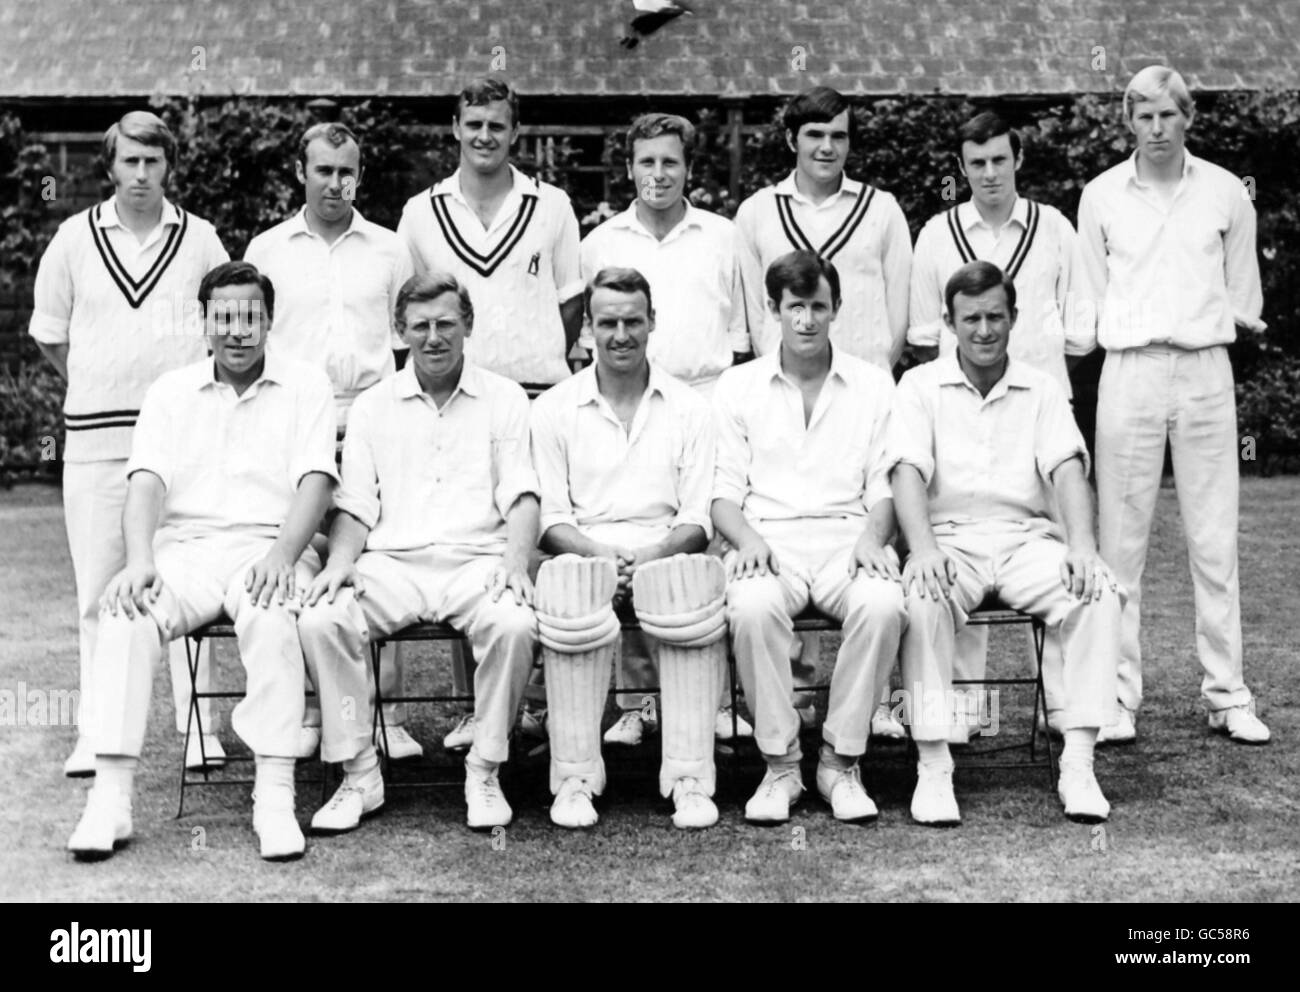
[{"x": 127, "y": 311}]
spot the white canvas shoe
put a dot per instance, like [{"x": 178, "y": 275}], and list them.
[
  {"x": 276, "y": 826},
  {"x": 105, "y": 824},
  {"x": 308, "y": 742},
  {"x": 461, "y": 736},
  {"x": 933, "y": 801},
  {"x": 1122, "y": 731},
  {"x": 486, "y": 805},
  {"x": 629, "y": 730},
  {"x": 1080, "y": 793},
  {"x": 883, "y": 724},
  {"x": 81, "y": 762},
  {"x": 692, "y": 809},
  {"x": 401, "y": 745},
  {"x": 211, "y": 754},
  {"x": 845, "y": 793},
  {"x": 723, "y": 729},
  {"x": 350, "y": 804},
  {"x": 775, "y": 795},
  {"x": 573, "y": 808},
  {"x": 1240, "y": 724}
]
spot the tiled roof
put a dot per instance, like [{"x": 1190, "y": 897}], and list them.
[{"x": 412, "y": 48}]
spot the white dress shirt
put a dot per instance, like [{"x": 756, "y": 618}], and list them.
[{"x": 1182, "y": 272}]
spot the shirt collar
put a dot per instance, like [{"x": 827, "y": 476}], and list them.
[
  {"x": 629, "y": 221},
  {"x": 951, "y": 374},
  {"x": 848, "y": 187},
  {"x": 1191, "y": 165},
  {"x": 521, "y": 185},
  {"x": 589, "y": 392},
  {"x": 968, "y": 215},
  {"x": 774, "y": 370},
  {"x": 298, "y": 225},
  {"x": 273, "y": 370},
  {"x": 108, "y": 213},
  {"x": 408, "y": 386}
]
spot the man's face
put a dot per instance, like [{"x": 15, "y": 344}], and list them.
[
  {"x": 658, "y": 170},
  {"x": 138, "y": 173},
  {"x": 621, "y": 324},
  {"x": 330, "y": 178},
  {"x": 805, "y": 320},
  {"x": 485, "y": 134},
  {"x": 1160, "y": 128},
  {"x": 983, "y": 326},
  {"x": 236, "y": 323},
  {"x": 990, "y": 168},
  {"x": 822, "y": 149},
  {"x": 436, "y": 332}
]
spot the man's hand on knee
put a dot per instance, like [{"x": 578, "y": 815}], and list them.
[
  {"x": 933, "y": 573},
  {"x": 132, "y": 590}
]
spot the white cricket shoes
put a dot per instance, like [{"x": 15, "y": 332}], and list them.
[
  {"x": 1240, "y": 724},
  {"x": 1122, "y": 731},
  {"x": 692, "y": 809},
  {"x": 486, "y": 805},
  {"x": 933, "y": 801},
  {"x": 845, "y": 793},
  {"x": 81, "y": 762},
  {"x": 104, "y": 826},
  {"x": 573, "y": 807},
  {"x": 884, "y": 724},
  {"x": 775, "y": 795},
  {"x": 208, "y": 754},
  {"x": 350, "y": 804},
  {"x": 461, "y": 736},
  {"x": 308, "y": 742},
  {"x": 725, "y": 730},
  {"x": 276, "y": 826},
  {"x": 630, "y": 729},
  {"x": 1080, "y": 793},
  {"x": 401, "y": 746}
]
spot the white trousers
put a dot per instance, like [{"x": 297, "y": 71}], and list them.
[
  {"x": 1023, "y": 568},
  {"x": 201, "y": 578},
  {"x": 1146, "y": 395},
  {"x": 93, "y": 496},
  {"x": 402, "y": 588},
  {"x": 814, "y": 556}
]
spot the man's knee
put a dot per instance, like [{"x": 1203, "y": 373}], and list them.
[
  {"x": 509, "y": 621},
  {"x": 875, "y": 601},
  {"x": 754, "y": 599}
]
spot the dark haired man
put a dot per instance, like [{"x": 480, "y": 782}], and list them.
[
  {"x": 112, "y": 310},
  {"x": 1039, "y": 251},
  {"x": 231, "y": 470},
  {"x": 801, "y": 494},
  {"x": 978, "y": 444}
]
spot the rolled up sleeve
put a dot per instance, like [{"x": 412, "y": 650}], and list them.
[
  {"x": 358, "y": 494},
  {"x": 551, "y": 463},
  {"x": 910, "y": 439},
  {"x": 512, "y": 465},
  {"x": 698, "y": 467},
  {"x": 317, "y": 433},
  {"x": 151, "y": 450},
  {"x": 731, "y": 471},
  {"x": 876, "y": 470},
  {"x": 53, "y": 294},
  {"x": 1056, "y": 435}
]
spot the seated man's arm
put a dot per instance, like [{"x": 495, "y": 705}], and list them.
[
  {"x": 753, "y": 555},
  {"x": 139, "y": 582},
  {"x": 872, "y": 552},
  {"x": 1082, "y": 572},
  {"x": 347, "y": 540},
  {"x": 512, "y": 572},
  {"x": 273, "y": 577},
  {"x": 927, "y": 566}
]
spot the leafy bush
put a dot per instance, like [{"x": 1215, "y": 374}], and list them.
[{"x": 31, "y": 417}]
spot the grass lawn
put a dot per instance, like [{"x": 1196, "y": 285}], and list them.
[{"x": 1195, "y": 817}]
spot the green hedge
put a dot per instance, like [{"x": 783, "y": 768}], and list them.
[{"x": 235, "y": 168}]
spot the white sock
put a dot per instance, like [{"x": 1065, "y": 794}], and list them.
[
  {"x": 1080, "y": 742},
  {"x": 934, "y": 754},
  {"x": 355, "y": 769},
  {"x": 478, "y": 766},
  {"x": 273, "y": 774},
  {"x": 116, "y": 772}
]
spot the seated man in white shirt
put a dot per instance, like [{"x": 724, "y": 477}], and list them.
[
  {"x": 437, "y": 521},
  {"x": 802, "y": 495},
  {"x": 231, "y": 470},
  {"x": 976, "y": 439},
  {"x": 624, "y": 453}
]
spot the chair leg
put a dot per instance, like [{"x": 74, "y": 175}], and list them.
[
  {"x": 377, "y": 722},
  {"x": 192, "y": 647}
]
